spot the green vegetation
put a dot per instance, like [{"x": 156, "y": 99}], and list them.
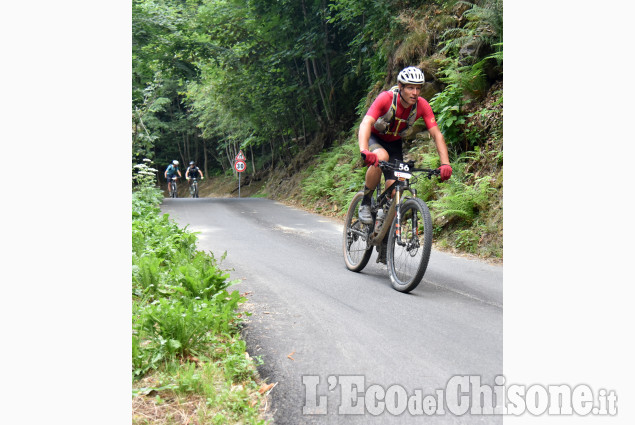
[
  {"x": 186, "y": 346},
  {"x": 289, "y": 81},
  {"x": 467, "y": 209}
]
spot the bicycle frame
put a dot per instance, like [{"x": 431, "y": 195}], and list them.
[
  {"x": 399, "y": 186},
  {"x": 172, "y": 185},
  {"x": 193, "y": 185}
]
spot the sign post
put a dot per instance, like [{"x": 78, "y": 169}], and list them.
[{"x": 240, "y": 166}]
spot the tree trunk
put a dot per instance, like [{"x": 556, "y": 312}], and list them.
[
  {"x": 285, "y": 148},
  {"x": 306, "y": 142},
  {"x": 322, "y": 95},
  {"x": 253, "y": 162},
  {"x": 178, "y": 145},
  {"x": 205, "y": 159},
  {"x": 273, "y": 155},
  {"x": 327, "y": 61},
  {"x": 186, "y": 149},
  {"x": 229, "y": 158},
  {"x": 196, "y": 148},
  {"x": 308, "y": 72}
]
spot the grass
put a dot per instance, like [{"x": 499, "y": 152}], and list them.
[{"x": 189, "y": 364}]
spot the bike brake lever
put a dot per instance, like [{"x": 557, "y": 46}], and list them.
[{"x": 433, "y": 173}]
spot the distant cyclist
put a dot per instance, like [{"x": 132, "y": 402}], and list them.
[
  {"x": 192, "y": 170},
  {"x": 170, "y": 172},
  {"x": 391, "y": 114}
]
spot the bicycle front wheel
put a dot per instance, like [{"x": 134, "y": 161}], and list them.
[
  {"x": 357, "y": 250},
  {"x": 409, "y": 246},
  {"x": 173, "y": 189}
]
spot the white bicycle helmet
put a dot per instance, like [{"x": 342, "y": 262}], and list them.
[
  {"x": 175, "y": 162},
  {"x": 410, "y": 75}
]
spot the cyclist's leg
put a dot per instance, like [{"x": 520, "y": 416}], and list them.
[
  {"x": 395, "y": 151},
  {"x": 373, "y": 174}
]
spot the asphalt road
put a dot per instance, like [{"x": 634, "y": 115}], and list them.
[{"x": 314, "y": 318}]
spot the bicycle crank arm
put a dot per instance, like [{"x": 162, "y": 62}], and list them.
[{"x": 359, "y": 233}]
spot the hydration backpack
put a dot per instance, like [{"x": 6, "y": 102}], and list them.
[{"x": 386, "y": 121}]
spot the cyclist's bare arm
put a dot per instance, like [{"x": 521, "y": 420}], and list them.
[
  {"x": 439, "y": 140},
  {"x": 364, "y": 131}
]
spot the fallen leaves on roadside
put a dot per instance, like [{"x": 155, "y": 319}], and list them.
[
  {"x": 291, "y": 354},
  {"x": 193, "y": 359},
  {"x": 266, "y": 387}
]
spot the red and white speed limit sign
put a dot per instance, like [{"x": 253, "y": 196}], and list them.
[{"x": 240, "y": 166}]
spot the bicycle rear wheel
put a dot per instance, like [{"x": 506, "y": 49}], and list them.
[
  {"x": 409, "y": 251},
  {"x": 355, "y": 245}
]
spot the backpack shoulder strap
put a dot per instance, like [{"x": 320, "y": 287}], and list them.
[{"x": 384, "y": 122}]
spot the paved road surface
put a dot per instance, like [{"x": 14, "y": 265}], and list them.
[{"x": 344, "y": 325}]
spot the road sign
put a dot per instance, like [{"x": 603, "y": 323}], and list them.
[
  {"x": 240, "y": 166},
  {"x": 240, "y": 156}
]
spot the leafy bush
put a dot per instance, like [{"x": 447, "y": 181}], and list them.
[
  {"x": 337, "y": 176},
  {"x": 483, "y": 27},
  {"x": 147, "y": 276},
  {"x": 466, "y": 240},
  {"x": 186, "y": 327},
  {"x": 201, "y": 278},
  {"x": 460, "y": 201},
  {"x": 180, "y": 302},
  {"x": 447, "y": 107}
]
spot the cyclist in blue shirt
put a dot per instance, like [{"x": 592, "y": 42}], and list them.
[{"x": 170, "y": 172}]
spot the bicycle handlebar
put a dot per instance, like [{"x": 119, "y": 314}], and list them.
[{"x": 394, "y": 167}]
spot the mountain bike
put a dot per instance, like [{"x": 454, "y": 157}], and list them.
[
  {"x": 194, "y": 187},
  {"x": 401, "y": 226},
  {"x": 173, "y": 193}
]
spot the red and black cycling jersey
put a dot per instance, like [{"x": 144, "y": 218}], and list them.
[{"x": 381, "y": 105}]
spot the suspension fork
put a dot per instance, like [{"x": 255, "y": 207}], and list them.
[
  {"x": 398, "y": 212},
  {"x": 415, "y": 224}
]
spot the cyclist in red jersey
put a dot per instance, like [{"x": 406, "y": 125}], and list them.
[{"x": 383, "y": 127}]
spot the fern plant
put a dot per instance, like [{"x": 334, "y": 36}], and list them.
[
  {"x": 484, "y": 27},
  {"x": 462, "y": 202}
]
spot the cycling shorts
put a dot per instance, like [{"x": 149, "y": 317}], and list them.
[{"x": 394, "y": 149}]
